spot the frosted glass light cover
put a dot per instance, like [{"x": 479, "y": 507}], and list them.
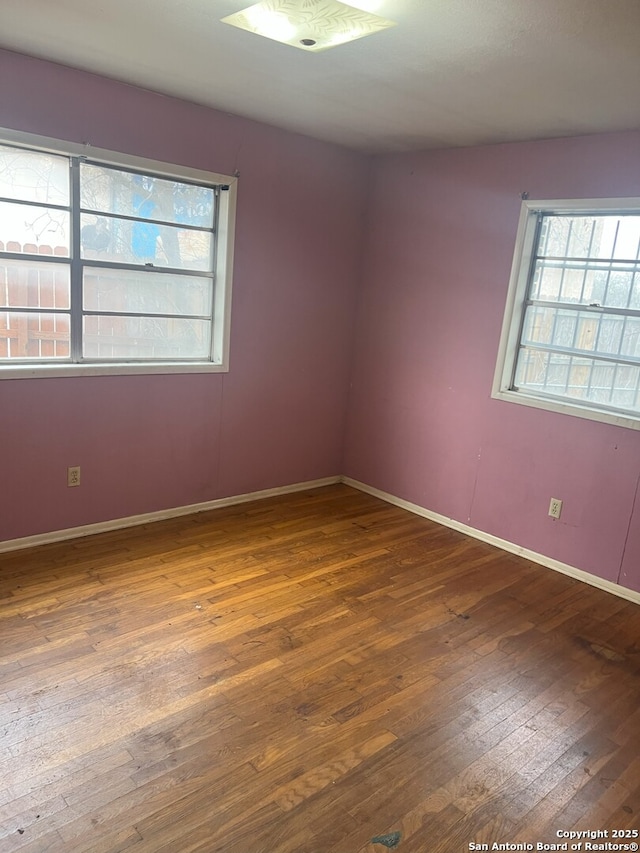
[{"x": 312, "y": 25}]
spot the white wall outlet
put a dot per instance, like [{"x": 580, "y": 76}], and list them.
[
  {"x": 73, "y": 475},
  {"x": 555, "y": 507}
]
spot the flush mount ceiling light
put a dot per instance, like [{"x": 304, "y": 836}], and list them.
[{"x": 311, "y": 25}]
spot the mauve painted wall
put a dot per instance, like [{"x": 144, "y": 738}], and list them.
[
  {"x": 147, "y": 443},
  {"x": 421, "y": 423}
]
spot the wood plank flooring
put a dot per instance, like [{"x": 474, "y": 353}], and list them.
[{"x": 305, "y": 674}]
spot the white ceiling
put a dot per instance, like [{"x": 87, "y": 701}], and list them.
[{"x": 453, "y": 72}]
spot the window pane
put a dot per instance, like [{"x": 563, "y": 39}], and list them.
[
  {"x": 127, "y": 242},
  {"x": 609, "y": 334},
  {"x": 610, "y": 285},
  {"x": 582, "y": 331},
  {"x": 547, "y": 281},
  {"x": 113, "y": 191},
  {"x": 634, "y": 302},
  {"x": 557, "y": 233},
  {"x": 573, "y": 281},
  {"x": 532, "y": 369},
  {"x": 33, "y": 230},
  {"x": 596, "y": 283},
  {"x": 630, "y": 344},
  {"x": 142, "y": 292},
  {"x": 573, "y": 377},
  {"x": 587, "y": 332},
  {"x": 602, "y": 380},
  {"x": 568, "y": 236},
  {"x": 146, "y": 338},
  {"x": 538, "y": 325},
  {"x": 618, "y": 292},
  {"x": 33, "y": 176},
  {"x": 600, "y": 237},
  {"x": 625, "y": 387},
  {"x": 32, "y": 335},
  {"x": 548, "y": 326},
  {"x": 618, "y": 237},
  {"x": 29, "y": 284},
  {"x": 607, "y": 284},
  {"x": 582, "y": 235},
  {"x": 579, "y": 377}
]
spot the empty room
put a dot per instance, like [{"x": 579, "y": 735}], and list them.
[{"x": 319, "y": 426}]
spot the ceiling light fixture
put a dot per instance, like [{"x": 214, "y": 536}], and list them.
[{"x": 311, "y": 25}]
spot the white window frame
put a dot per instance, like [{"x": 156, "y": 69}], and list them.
[
  {"x": 503, "y": 382},
  {"x": 223, "y": 267}
]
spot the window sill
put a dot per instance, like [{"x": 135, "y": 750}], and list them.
[
  {"x": 573, "y": 409},
  {"x": 140, "y": 368}
]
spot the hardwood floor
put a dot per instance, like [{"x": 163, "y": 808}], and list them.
[{"x": 303, "y": 675}]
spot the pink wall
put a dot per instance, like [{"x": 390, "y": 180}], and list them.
[
  {"x": 148, "y": 443},
  {"x": 422, "y": 425}
]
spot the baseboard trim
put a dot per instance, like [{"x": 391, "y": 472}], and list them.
[
  {"x": 161, "y": 515},
  {"x": 416, "y": 509},
  {"x": 503, "y": 544}
]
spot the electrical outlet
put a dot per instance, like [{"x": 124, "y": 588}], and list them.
[
  {"x": 73, "y": 475},
  {"x": 555, "y": 507}
]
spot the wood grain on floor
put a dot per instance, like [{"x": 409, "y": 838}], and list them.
[{"x": 305, "y": 674}]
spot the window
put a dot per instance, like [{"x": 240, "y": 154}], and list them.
[
  {"x": 571, "y": 334},
  {"x": 111, "y": 264}
]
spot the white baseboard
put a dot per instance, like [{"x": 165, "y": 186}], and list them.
[
  {"x": 161, "y": 515},
  {"x": 503, "y": 544},
  {"x": 174, "y": 512}
]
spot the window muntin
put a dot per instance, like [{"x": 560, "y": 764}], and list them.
[
  {"x": 571, "y": 337},
  {"x": 103, "y": 265}
]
